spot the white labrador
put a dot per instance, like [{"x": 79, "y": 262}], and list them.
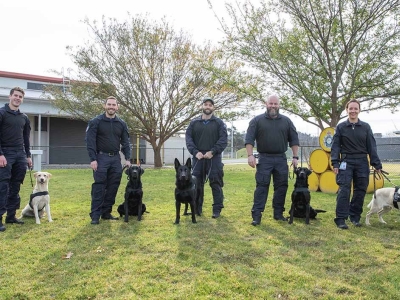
[
  {"x": 40, "y": 198},
  {"x": 381, "y": 204}
]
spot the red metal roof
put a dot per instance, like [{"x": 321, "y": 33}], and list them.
[{"x": 30, "y": 77}]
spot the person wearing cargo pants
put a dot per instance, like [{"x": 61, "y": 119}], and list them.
[
  {"x": 352, "y": 142},
  {"x": 273, "y": 133}
]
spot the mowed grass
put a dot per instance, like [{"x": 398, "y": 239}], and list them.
[{"x": 223, "y": 258}]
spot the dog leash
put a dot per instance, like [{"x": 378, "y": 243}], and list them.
[{"x": 30, "y": 174}]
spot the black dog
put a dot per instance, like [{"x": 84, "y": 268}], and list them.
[
  {"x": 133, "y": 205},
  {"x": 187, "y": 189},
  {"x": 301, "y": 197}
]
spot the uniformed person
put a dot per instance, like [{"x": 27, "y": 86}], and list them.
[
  {"x": 273, "y": 133},
  {"x": 353, "y": 141},
  {"x": 15, "y": 155},
  {"x": 106, "y": 134},
  {"x": 206, "y": 139}
]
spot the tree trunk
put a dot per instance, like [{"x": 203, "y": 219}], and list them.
[{"x": 158, "y": 163}]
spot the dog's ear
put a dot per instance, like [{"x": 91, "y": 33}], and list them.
[
  {"x": 48, "y": 174},
  {"x": 35, "y": 174},
  {"x": 141, "y": 171},
  {"x": 127, "y": 170},
  {"x": 308, "y": 172},
  {"x": 177, "y": 163},
  {"x": 189, "y": 163}
]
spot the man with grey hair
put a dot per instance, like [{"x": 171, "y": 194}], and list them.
[{"x": 273, "y": 133}]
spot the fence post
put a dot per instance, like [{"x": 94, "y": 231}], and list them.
[{"x": 183, "y": 155}]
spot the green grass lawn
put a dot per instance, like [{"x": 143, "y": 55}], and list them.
[{"x": 223, "y": 258}]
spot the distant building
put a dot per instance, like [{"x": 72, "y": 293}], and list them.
[{"x": 62, "y": 138}]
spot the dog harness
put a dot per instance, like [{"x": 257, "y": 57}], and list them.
[
  {"x": 396, "y": 197},
  {"x": 33, "y": 195}
]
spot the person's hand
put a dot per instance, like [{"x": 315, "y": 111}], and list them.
[
  {"x": 3, "y": 161},
  {"x": 128, "y": 163},
  {"x": 29, "y": 161},
  {"x": 199, "y": 155},
  {"x": 336, "y": 170},
  {"x": 251, "y": 160},
  {"x": 295, "y": 162},
  {"x": 93, "y": 165},
  {"x": 208, "y": 155},
  {"x": 378, "y": 171}
]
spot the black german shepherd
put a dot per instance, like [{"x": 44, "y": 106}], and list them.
[
  {"x": 133, "y": 204},
  {"x": 187, "y": 189},
  {"x": 301, "y": 197}
]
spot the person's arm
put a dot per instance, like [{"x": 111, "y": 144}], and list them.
[
  {"x": 335, "y": 150},
  {"x": 222, "y": 142},
  {"x": 91, "y": 134},
  {"x": 125, "y": 143},
  {"x": 372, "y": 150},
  {"x": 190, "y": 145}
]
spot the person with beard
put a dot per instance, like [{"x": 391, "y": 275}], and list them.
[
  {"x": 106, "y": 134},
  {"x": 352, "y": 142},
  {"x": 206, "y": 139},
  {"x": 15, "y": 155},
  {"x": 273, "y": 133}
]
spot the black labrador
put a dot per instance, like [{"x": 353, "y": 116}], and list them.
[
  {"x": 301, "y": 197},
  {"x": 187, "y": 189},
  {"x": 133, "y": 204}
]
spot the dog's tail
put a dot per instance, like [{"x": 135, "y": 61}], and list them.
[
  {"x": 319, "y": 210},
  {"x": 372, "y": 201}
]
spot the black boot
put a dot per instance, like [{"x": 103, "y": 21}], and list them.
[
  {"x": 256, "y": 220},
  {"x": 12, "y": 219},
  {"x": 2, "y": 227}
]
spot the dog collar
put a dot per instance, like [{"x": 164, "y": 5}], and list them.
[{"x": 396, "y": 197}]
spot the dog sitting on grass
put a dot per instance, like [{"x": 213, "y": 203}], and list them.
[
  {"x": 133, "y": 204},
  {"x": 39, "y": 199},
  {"x": 187, "y": 189},
  {"x": 301, "y": 198}
]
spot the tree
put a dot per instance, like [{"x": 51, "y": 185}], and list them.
[
  {"x": 158, "y": 76},
  {"x": 238, "y": 139},
  {"x": 319, "y": 54}
]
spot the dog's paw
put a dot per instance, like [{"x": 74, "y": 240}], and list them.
[{"x": 51, "y": 220}]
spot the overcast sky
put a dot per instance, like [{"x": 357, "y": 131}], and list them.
[{"x": 35, "y": 33}]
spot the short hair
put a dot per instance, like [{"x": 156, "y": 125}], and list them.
[
  {"x": 18, "y": 89},
  {"x": 353, "y": 101},
  {"x": 111, "y": 97}
]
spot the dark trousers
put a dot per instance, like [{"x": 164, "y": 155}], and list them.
[
  {"x": 107, "y": 179},
  {"x": 275, "y": 166},
  {"x": 213, "y": 168},
  {"x": 357, "y": 171},
  {"x": 11, "y": 178}
]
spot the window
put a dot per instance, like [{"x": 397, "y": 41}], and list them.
[{"x": 44, "y": 123}]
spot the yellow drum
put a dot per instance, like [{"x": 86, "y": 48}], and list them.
[
  {"x": 326, "y": 138},
  {"x": 319, "y": 161},
  {"x": 313, "y": 182},
  {"x": 327, "y": 182},
  {"x": 379, "y": 182}
]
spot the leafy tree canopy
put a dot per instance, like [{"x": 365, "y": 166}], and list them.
[{"x": 317, "y": 55}]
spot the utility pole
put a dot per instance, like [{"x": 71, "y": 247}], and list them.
[{"x": 232, "y": 140}]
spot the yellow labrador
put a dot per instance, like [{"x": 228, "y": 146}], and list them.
[
  {"x": 382, "y": 203},
  {"x": 39, "y": 199}
]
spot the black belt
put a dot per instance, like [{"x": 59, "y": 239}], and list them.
[
  {"x": 356, "y": 155},
  {"x": 273, "y": 154},
  {"x": 109, "y": 153}
]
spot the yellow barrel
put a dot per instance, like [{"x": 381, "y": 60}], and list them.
[
  {"x": 326, "y": 138},
  {"x": 327, "y": 182},
  {"x": 319, "y": 161},
  {"x": 379, "y": 182},
  {"x": 313, "y": 182}
]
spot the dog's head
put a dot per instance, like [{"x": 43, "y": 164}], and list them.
[
  {"x": 183, "y": 172},
  {"x": 42, "y": 177},
  {"x": 302, "y": 173},
  {"x": 134, "y": 172}
]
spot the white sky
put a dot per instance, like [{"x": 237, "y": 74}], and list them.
[{"x": 35, "y": 33}]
